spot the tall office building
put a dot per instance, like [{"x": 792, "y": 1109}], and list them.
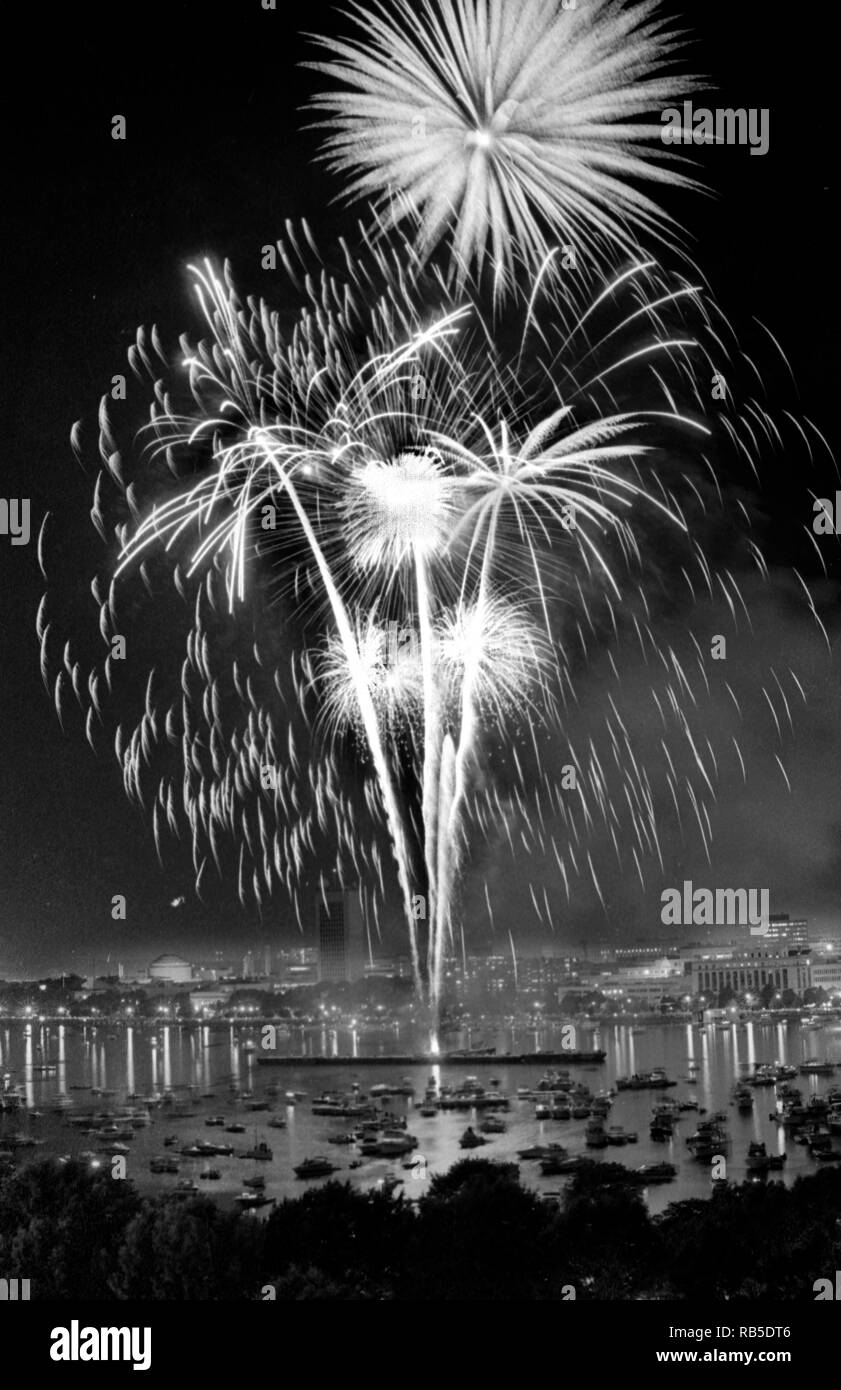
[
  {"x": 787, "y": 933},
  {"x": 341, "y": 935}
]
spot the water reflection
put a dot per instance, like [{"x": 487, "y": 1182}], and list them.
[{"x": 48, "y": 1061}]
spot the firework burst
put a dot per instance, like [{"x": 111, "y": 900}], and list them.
[
  {"x": 515, "y": 125},
  {"x": 392, "y": 535}
]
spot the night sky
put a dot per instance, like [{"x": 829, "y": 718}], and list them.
[{"x": 98, "y": 236}]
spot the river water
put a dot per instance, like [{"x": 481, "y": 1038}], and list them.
[{"x": 210, "y": 1067}]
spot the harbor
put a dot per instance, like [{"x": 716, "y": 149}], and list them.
[{"x": 685, "y": 1110}]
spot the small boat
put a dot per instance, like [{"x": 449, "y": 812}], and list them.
[
  {"x": 555, "y": 1166},
  {"x": 493, "y": 1125},
  {"x": 356, "y": 1163},
  {"x": 255, "y": 1183},
  {"x": 185, "y": 1188},
  {"x": 215, "y": 1120},
  {"x": 210, "y": 1175},
  {"x": 163, "y": 1165},
  {"x": 757, "y": 1159},
  {"x": 656, "y": 1172},
  {"x": 250, "y": 1201},
  {"x": 813, "y": 1067},
  {"x": 776, "y": 1161},
  {"x": 594, "y": 1135},
  {"x": 428, "y": 1111},
  {"x": 170, "y": 1140},
  {"x": 616, "y": 1135},
  {"x": 655, "y": 1080},
  {"x": 276, "y": 1122},
  {"x": 315, "y": 1168},
  {"x": 471, "y": 1140},
  {"x": 543, "y": 1151},
  {"x": 259, "y": 1151},
  {"x": 390, "y": 1145},
  {"x": 235, "y": 1129}
]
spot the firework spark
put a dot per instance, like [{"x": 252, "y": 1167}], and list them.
[
  {"x": 439, "y": 521},
  {"x": 514, "y": 124}
]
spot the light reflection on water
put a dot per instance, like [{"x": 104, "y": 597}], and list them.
[{"x": 48, "y": 1060}]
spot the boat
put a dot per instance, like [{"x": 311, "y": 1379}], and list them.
[
  {"x": 471, "y": 1140},
  {"x": 708, "y": 1140},
  {"x": 757, "y": 1160},
  {"x": 185, "y": 1188},
  {"x": 616, "y": 1135},
  {"x": 542, "y": 1151},
  {"x": 813, "y": 1067},
  {"x": 251, "y": 1201},
  {"x": 594, "y": 1135},
  {"x": 655, "y": 1173},
  {"x": 428, "y": 1111},
  {"x": 215, "y": 1120},
  {"x": 833, "y": 1119},
  {"x": 210, "y": 1175},
  {"x": 645, "y": 1081},
  {"x": 557, "y": 1166},
  {"x": 235, "y": 1128},
  {"x": 315, "y": 1168},
  {"x": 163, "y": 1165},
  {"x": 493, "y": 1125},
  {"x": 276, "y": 1122},
  {"x": 776, "y": 1161},
  {"x": 390, "y": 1145},
  {"x": 255, "y": 1183},
  {"x": 259, "y": 1151}
]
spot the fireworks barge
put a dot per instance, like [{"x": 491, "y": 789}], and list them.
[{"x": 417, "y": 1059}]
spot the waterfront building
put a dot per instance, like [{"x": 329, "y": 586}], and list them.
[
  {"x": 825, "y": 973},
  {"x": 748, "y": 971},
  {"x": 209, "y": 1000},
  {"x": 173, "y": 970}
]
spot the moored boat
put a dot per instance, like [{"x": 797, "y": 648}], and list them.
[{"x": 315, "y": 1168}]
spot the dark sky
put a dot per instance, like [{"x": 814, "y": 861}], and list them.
[{"x": 98, "y": 235}]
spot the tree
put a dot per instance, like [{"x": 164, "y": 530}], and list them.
[
  {"x": 61, "y": 1226},
  {"x": 481, "y": 1236},
  {"x": 358, "y": 1240},
  {"x": 176, "y": 1250}
]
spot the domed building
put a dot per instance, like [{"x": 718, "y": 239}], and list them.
[{"x": 172, "y": 970}]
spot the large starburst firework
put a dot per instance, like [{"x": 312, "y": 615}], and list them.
[
  {"x": 391, "y": 530},
  {"x": 515, "y": 125}
]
